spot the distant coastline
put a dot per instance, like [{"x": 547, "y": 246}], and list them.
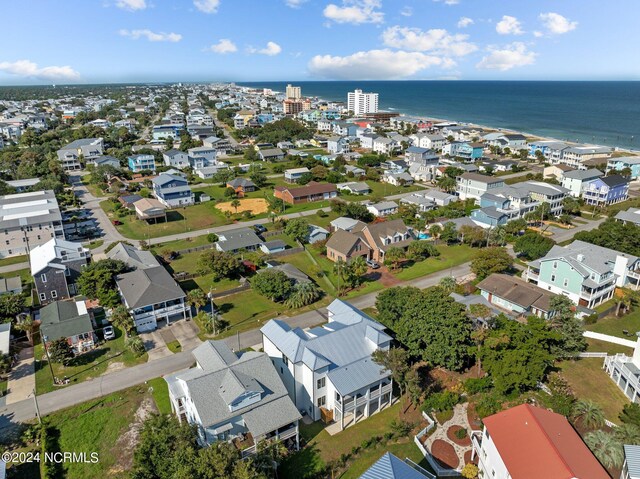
[{"x": 574, "y": 112}]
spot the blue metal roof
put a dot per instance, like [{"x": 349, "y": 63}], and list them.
[{"x": 390, "y": 467}]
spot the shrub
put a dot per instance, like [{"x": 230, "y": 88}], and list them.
[
  {"x": 591, "y": 319},
  {"x": 212, "y": 237},
  {"x": 477, "y": 385},
  {"x": 460, "y": 433},
  {"x": 487, "y": 405},
  {"x": 401, "y": 428},
  {"x": 441, "y": 401},
  {"x": 322, "y": 214}
]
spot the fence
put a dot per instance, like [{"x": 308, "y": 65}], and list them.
[
  {"x": 610, "y": 339},
  {"x": 243, "y": 287},
  {"x": 592, "y": 355},
  {"x": 286, "y": 252},
  {"x": 435, "y": 465}
]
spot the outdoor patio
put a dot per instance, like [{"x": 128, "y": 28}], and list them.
[{"x": 452, "y": 452}]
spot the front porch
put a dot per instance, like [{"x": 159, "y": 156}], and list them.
[{"x": 350, "y": 410}]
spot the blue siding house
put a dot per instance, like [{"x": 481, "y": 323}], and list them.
[
  {"x": 172, "y": 191},
  {"x": 607, "y": 190},
  {"x": 141, "y": 162},
  {"x": 622, "y": 163},
  {"x": 489, "y": 217}
]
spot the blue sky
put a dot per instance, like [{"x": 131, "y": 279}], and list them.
[{"x": 87, "y": 41}]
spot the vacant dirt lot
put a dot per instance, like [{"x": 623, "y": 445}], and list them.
[{"x": 255, "y": 205}]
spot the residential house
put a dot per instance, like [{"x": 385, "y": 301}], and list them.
[
  {"x": 392, "y": 467},
  {"x": 367, "y": 139},
  {"x": 607, "y": 190},
  {"x": 105, "y": 160},
  {"x": 631, "y": 465},
  {"x": 345, "y": 246},
  {"x": 206, "y": 154},
  {"x": 417, "y": 154},
  {"x": 440, "y": 198},
  {"x": 134, "y": 258},
  {"x": 630, "y": 163},
  {"x": 354, "y": 187},
  {"x": 556, "y": 171},
  {"x": 625, "y": 372},
  {"x": 427, "y": 140},
  {"x": 139, "y": 163},
  {"x": 632, "y": 215},
  {"x": 328, "y": 370},
  {"x": 86, "y": 148},
  {"x": 343, "y": 128},
  {"x": 577, "y": 181},
  {"x": 397, "y": 179},
  {"x": 474, "y": 185},
  {"x": 422, "y": 172},
  {"x": 150, "y": 209},
  {"x": 317, "y": 233},
  {"x": 176, "y": 159},
  {"x": 337, "y": 145},
  {"x": 271, "y": 154},
  {"x": 55, "y": 267},
  {"x": 419, "y": 201},
  {"x": 464, "y": 150},
  {"x": 233, "y": 241},
  {"x": 10, "y": 285},
  {"x": 384, "y": 145},
  {"x": 23, "y": 185},
  {"x": 576, "y": 156},
  {"x": 293, "y": 175},
  {"x": 273, "y": 246},
  {"x": 241, "y": 186},
  {"x": 208, "y": 172},
  {"x": 172, "y": 191},
  {"x": 235, "y": 397},
  {"x": 69, "y": 320},
  {"x": 346, "y": 224},
  {"x": 383, "y": 208},
  {"x": 242, "y": 118},
  {"x": 28, "y": 220},
  {"x": 152, "y": 296},
  {"x": 514, "y": 141},
  {"x": 554, "y": 450},
  {"x": 585, "y": 273},
  {"x": 310, "y": 192},
  {"x": 516, "y": 296},
  {"x": 5, "y": 348}
]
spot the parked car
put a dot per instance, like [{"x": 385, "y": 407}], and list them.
[
  {"x": 259, "y": 229},
  {"x": 372, "y": 264},
  {"x": 109, "y": 333}
]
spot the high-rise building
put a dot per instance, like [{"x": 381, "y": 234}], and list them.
[
  {"x": 361, "y": 103},
  {"x": 292, "y": 107},
  {"x": 293, "y": 92}
]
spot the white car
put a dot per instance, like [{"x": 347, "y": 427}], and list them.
[{"x": 109, "y": 333}]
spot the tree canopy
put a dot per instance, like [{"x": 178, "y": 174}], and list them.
[
  {"x": 97, "y": 281},
  {"x": 218, "y": 263},
  {"x": 491, "y": 260},
  {"x": 623, "y": 237},
  {"x": 533, "y": 245},
  {"x": 273, "y": 284}
]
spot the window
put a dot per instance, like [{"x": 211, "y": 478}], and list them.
[
  {"x": 337, "y": 397},
  {"x": 553, "y": 278},
  {"x": 555, "y": 265},
  {"x": 285, "y": 360},
  {"x": 7, "y": 242},
  {"x": 565, "y": 282},
  {"x": 281, "y": 370},
  {"x": 43, "y": 297},
  {"x": 54, "y": 294},
  {"x": 322, "y": 400},
  {"x": 43, "y": 278},
  {"x": 320, "y": 383}
]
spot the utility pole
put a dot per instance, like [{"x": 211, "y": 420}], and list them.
[
  {"x": 35, "y": 401},
  {"x": 46, "y": 350}
]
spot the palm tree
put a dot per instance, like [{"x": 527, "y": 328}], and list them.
[
  {"x": 303, "y": 294},
  {"x": 26, "y": 325},
  {"x": 448, "y": 283},
  {"x": 605, "y": 447},
  {"x": 196, "y": 298},
  {"x": 121, "y": 319},
  {"x": 590, "y": 414},
  {"x": 235, "y": 204},
  {"x": 628, "y": 434}
]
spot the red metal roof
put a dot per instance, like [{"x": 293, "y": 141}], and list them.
[{"x": 535, "y": 443}]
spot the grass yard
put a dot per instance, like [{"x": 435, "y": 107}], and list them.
[
  {"x": 597, "y": 346},
  {"x": 614, "y": 326},
  {"x": 160, "y": 391},
  {"x": 14, "y": 260},
  {"x": 323, "y": 448},
  {"x": 181, "y": 244},
  {"x": 3, "y": 387},
  {"x": 174, "y": 346},
  {"x": 589, "y": 381},
  {"x": 379, "y": 190},
  {"x": 449, "y": 256},
  {"x": 95, "y": 244},
  {"x": 110, "y": 356}
]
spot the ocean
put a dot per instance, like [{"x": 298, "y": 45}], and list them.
[{"x": 603, "y": 113}]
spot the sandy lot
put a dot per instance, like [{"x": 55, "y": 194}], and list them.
[{"x": 255, "y": 205}]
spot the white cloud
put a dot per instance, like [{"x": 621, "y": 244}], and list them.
[
  {"x": 436, "y": 41},
  {"x": 27, "y": 68},
  {"x": 207, "y": 6},
  {"x": 406, "y": 11},
  {"x": 294, "y": 3},
  {"x": 224, "y": 46},
  {"x": 464, "y": 22},
  {"x": 448, "y": 2},
  {"x": 556, "y": 24},
  {"x": 271, "y": 49},
  {"x": 538, "y": 34},
  {"x": 509, "y": 26},
  {"x": 374, "y": 65},
  {"x": 508, "y": 57},
  {"x": 355, "y": 12},
  {"x": 131, "y": 5},
  {"x": 151, "y": 36}
]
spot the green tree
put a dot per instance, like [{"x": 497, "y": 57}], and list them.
[
  {"x": 448, "y": 284},
  {"x": 60, "y": 351},
  {"x": 623, "y": 237},
  {"x": 273, "y": 284},
  {"x": 588, "y": 413},
  {"x": 97, "y": 281},
  {"x": 196, "y": 298},
  {"x": 297, "y": 229},
  {"x": 395, "y": 360},
  {"x": 421, "y": 250},
  {"x": 235, "y": 203},
  {"x": 533, "y": 245},
  {"x": 491, "y": 260},
  {"x": 10, "y": 306},
  {"x": 569, "y": 326},
  {"x": 394, "y": 256},
  {"x": 630, "y": 414},
  {"x": 258, "y": 178},
  {"x": 571, "y": 205},
  {"x": 303, "y": 293},
  {"x": 136, "y": 345},
  {"x": 121, "y": 319},
  {"x": 449, "y": 233},
  {"x": 606, "y": 447},
  {"x": 218, "y": 263}
]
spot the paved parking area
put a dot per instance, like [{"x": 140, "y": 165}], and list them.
[
  {"x": 22, "y": 379},
  {"x": 155, "y": 345},
  {"x": 186, "y": 333}
]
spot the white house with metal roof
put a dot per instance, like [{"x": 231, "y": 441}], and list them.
[
  {"x": 234, "y": 397},
  {"x": 625, "y": 372},
  {"x": 328, "y": 370},
  {"x": 631, "y": 466}
]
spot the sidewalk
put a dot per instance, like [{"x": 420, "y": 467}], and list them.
[{"x": 22, "y": 379}]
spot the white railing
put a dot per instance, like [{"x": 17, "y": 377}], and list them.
[
  {"x": 287, "y": 434},
  {"x": 435, "y": 465},
  {"x": 610, "y": 424},
  {"x": 592, "y": 355},
  {"x": 596, "y": 294},
  {"x": 250, "y": 451}
]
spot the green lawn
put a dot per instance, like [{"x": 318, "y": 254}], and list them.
[
  {"x": 95, "y": 244},
  {"x": 323, "y": 448},
  {"x": 449, "y": 256},
  {"x": 589, "y": 381},
  {"x": 180, "y": 244},
  {"x": 109, "y": 356},
  {"x": 614, "y": 326},
  {"x": 597, "y": 346},
  {"x": 14, "y": 260},
  {"x": 174, "y": 346},
  {"x": 379, "y": 190},
  {"x": 3, "y": 386},
  {"x": 161, "y": 395}
]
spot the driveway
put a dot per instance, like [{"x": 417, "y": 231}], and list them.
[
  {"x": 22, "y": 379},
  {"x": 186, "y": 333},
  {"x": 155, "y": 345}
]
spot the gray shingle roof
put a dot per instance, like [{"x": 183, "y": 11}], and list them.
[
  {"x": 62, "y": 319},
  {"x": 133, "y": 257},
  {"x": 238, "y": 239},
  {"x": 143, "y": 287}
]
